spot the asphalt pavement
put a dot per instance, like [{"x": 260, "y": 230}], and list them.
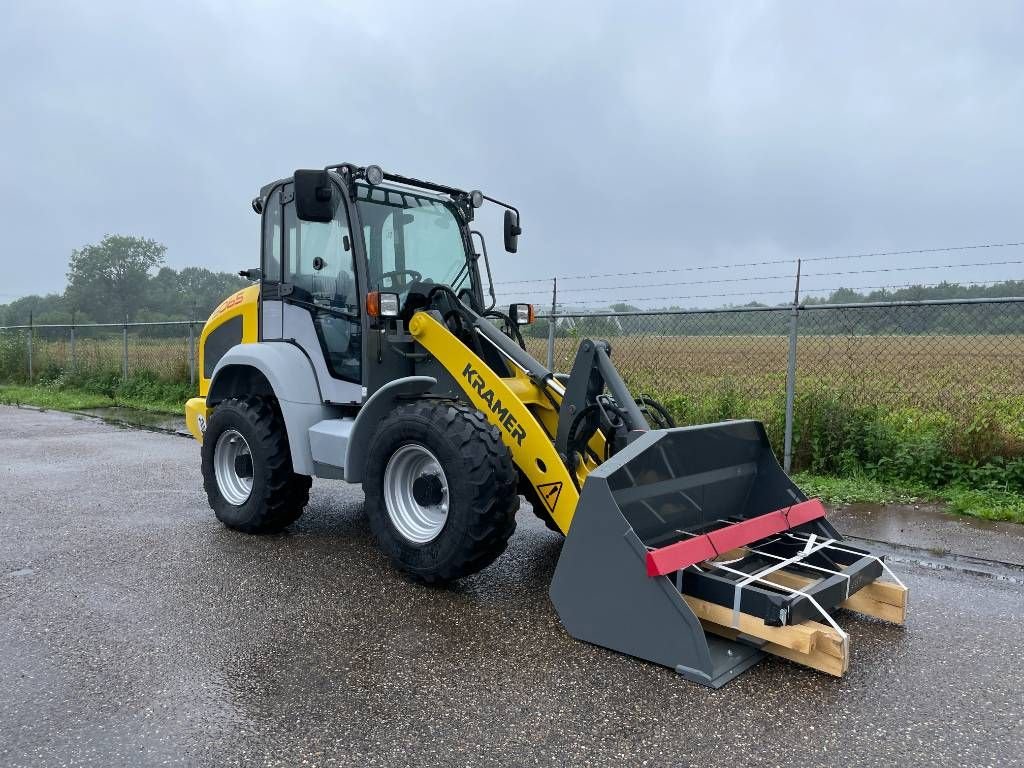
[{"x": 136, "y": 630}]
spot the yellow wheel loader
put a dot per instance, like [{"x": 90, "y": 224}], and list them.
[{"x": 368, "y": 351}]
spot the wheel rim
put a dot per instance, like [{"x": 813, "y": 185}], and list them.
[
  {"x": 418, "y": 510},
  {"x": 232, "y": 465}
]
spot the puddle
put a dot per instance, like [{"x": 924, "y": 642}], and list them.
[
  {"x": 931, "y": 528},
  {"x": 135, "y": 418},
  {"x": 21, "y": 572}
]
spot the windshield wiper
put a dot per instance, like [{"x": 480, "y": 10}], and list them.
[
  {"x": 461, "y": 276},
  {"x": 331, "y": 310}
]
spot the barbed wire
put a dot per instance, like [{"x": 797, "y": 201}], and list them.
[
  {"x": 756, "y": 278},
  {"x": 915, "y": 269},
  {"x": 803, "y": 292},
  {"x": 791, "y": 260}
]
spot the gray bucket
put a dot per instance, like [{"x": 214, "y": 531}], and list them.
[{"x": 663, "y": 487}]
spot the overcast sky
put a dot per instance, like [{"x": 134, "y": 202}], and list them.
[{"x": 632, "y": 136}]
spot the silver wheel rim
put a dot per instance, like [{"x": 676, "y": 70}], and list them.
[
  {"x": 230, "y": 449},
  {"x": 419, "y": 523}
]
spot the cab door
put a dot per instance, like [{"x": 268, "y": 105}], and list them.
[{"x": 316, "y": 297}]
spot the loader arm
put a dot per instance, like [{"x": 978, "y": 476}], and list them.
[{"x": 523, "y": 414}]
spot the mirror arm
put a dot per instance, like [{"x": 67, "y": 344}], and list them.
[
  {"x": 487, "y": 266},
  {"x": 504, "y": 205}
]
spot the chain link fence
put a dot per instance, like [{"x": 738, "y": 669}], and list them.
[
  {"x": 920, "y": 353},
  {"x": 43, "y": 353},
  {"x": 958, "y": 364},
  {"x": 954, "y": 364}
]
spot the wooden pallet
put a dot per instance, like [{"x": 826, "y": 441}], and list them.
[{"x": 810, "y": 643}]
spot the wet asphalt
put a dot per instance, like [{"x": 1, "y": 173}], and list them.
[
  {"x": 930, "y": 527},
  {"x": 136, "y": 630}
]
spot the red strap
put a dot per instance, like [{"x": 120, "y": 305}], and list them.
[{"x": 709, "y": 545}]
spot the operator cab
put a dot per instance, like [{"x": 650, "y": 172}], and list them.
[{"x": 332, "y": 238}]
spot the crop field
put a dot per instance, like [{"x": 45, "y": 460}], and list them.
[
  {"x": 164, "y": 358},
  {"x": 945, "y": 372}
]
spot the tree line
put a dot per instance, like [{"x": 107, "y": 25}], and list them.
[{"x": 125, "y": 277}]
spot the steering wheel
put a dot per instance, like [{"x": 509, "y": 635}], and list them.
[{"x": 416, "y": 276}]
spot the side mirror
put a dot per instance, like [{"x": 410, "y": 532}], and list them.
[
  {"x": 313, "y": 196},
  {"x": 512, "y": 231}
]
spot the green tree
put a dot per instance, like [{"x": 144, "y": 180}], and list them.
[
  {"x": 109, "y": 280},
  {"x": 205, "y": 289}
]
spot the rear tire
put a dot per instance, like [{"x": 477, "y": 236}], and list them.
[
  {"x": 262, "y": 494},
  {"x": 439, "y": 472}
]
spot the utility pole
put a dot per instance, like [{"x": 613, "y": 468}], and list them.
[
  {"x": 124, "y": 351},
  {"x": 551, "y": 324},
  {"x": 192, "y": 347},
  {"x": 72, "y": 334},
  {"x": 787, "y": 458},
  {"x": 30, "y": 330}
]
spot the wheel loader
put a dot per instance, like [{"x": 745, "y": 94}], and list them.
[{"x": 368, "y": 351}]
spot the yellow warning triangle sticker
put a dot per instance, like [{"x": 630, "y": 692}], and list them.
[{"x": 549, "y": 493}]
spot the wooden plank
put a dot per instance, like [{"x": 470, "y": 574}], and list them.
[
  {"x": 863, "y": 603},
  {"x": 817, "y": 659},
  {"x": 886, "y": 592},
  {"x": 790, "y": 579},
  {"x": 880, "y": 599},
  {"x": 802, "y": 638}
]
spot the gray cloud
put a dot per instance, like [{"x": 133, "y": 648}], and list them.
[{"x": 632, "y": 136}]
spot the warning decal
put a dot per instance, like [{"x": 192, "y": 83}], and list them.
[{"x": 549, "y": 493}]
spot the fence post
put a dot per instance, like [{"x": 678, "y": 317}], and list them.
[
  {"x": 30, "y": 330},
  {"x": 551, "y": 325},
  {"x": 787, "y": 458},
  {"x": 192, "y": 349},
  {"x": 72, "y": 342},
  {"x": 124, "y": 352}
]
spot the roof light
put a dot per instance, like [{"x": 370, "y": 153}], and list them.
[{"x": 374, "y": 175}]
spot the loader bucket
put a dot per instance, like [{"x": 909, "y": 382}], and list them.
[{"x": 634, "y": 571}]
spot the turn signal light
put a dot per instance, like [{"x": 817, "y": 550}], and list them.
[
  {"x": 382, "y": 304},
  {"x": 521, "y": 314}
]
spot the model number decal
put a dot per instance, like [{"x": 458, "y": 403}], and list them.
[
  {"x": 506, "y": 419},
  {"x": 231, "y": 301}
]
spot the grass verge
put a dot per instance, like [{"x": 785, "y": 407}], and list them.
[
  {"x": 71, "y": 399},
  {"x": 987, "y": 503}
]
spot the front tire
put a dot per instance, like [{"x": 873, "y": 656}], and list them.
[
  {"x": 247, "y": 467},
  {"x": 440, "y": 490}
]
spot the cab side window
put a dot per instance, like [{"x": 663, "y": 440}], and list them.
[
  {"x": 272, "y": 238},
  {"x": 319, "y": 264}
]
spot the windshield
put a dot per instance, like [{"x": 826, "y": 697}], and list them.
[{"x": 411, "y": 237}]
